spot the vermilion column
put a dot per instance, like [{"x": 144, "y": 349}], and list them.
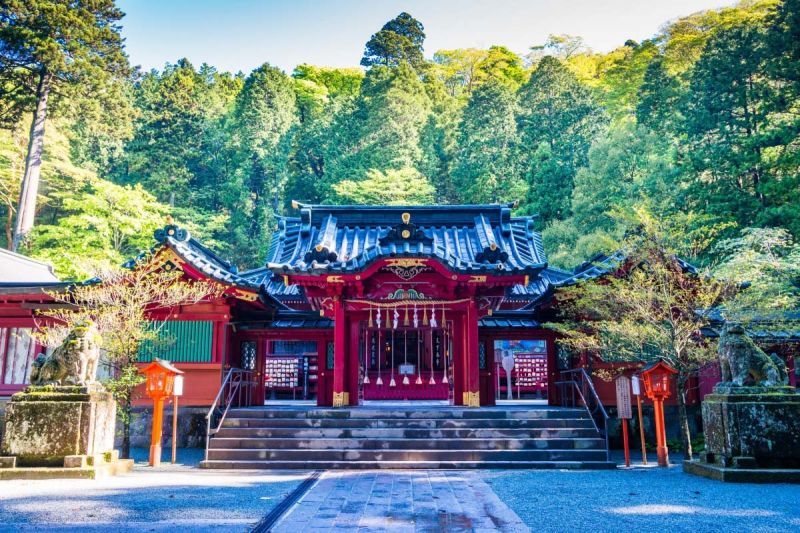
[
  {"x": 471, "y": 368},
  {"x": 340, "y": 395}
]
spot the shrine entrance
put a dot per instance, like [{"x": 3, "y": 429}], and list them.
[{"x": 405, "y": 355}]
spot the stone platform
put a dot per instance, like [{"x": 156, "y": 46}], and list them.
[
  {"x": 752, "y": 435},
  {"x": 742, "y": 475},
  {"x": 82, "y": 467},
  {"x": 59, "y": 426}
]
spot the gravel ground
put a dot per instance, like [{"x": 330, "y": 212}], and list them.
[
  {"x": 172, "y": 498},
  {"x": 644, "y": 499},
  {"x": 183, "y": 498}
]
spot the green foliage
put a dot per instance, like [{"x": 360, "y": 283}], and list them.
[
  {"x": 463, "y": 70},
  {"x": 384, "y": 129},
  {"x": 77, "y": 46},
  {"x": 558, "y": 119},
  {"x": 399, "y": 41},
  {"x": 486, "y": 169},
  {"x": 405, "y": 186},
  {"x": 101, "y": 225},
  {"x": 699, "y": 123},
  {"x": 767, "y": 262}
]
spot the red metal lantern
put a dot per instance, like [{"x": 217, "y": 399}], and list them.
[
  {"x": 656, "y": 377},
  {"x": 656, "y": 386},
  {"x": 160, "y": 377}
]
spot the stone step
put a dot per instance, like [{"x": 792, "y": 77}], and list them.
[
  {"x": 402, "y": 432},
  {"x": 422, "y": 423},
  {"x": 409, "y": 444},
  {"x": 271, "y": 454},
  {"x": 409, "y": 413},
  {"x": 422, "y": 465}
]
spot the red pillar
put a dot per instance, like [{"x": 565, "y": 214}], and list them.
[
  {"x": 471, "y": 366},
  {"x": 457, "y": 358},
  {"x": 341, "y": 397}
]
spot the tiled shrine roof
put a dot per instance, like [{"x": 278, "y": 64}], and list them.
[{"x": 469, "y": 239}]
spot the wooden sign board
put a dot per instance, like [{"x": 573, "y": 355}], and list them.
[{"x": 623, "y": 397}]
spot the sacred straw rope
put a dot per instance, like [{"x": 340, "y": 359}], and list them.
[{"x": 402, "y": 303}]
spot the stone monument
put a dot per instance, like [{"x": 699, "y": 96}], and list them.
[
  {"x": 65, "y": 418},
  {"x": 751, "y": 421}
]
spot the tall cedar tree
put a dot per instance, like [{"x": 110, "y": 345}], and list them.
[
  {"x": 383, "y": 132},
  {"x": 48, "y": 47},
  {"x": 658, "y": 99},
  {"x": 400, "y": 40},
  {"x": 265, "y": 112},
  {"x": 486, "y": 168},
  {"x": 558, "y": 119}
]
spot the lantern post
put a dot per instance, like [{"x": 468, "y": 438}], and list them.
[
  {"x": 160, "y": 376},
  {"x": 656, "y": 377}
]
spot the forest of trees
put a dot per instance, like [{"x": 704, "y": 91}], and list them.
[{"x": 699, "y": 124}]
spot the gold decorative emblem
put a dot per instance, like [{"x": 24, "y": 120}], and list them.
[
  {"x": 341, "y": 399},
  {"x": 406, "y": 268},
  {"x": 406, "y": 234},
  {"x": 471, "y": 399},
  {"x": 405, "y": 217},
  {"x": 245, "y": 295},
  {"x": 477, "y": 279},
  {"x": 334, "y": 279},
  {"x": 406, "y": 262}
]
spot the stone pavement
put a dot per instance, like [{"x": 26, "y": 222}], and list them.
[{"x": 400, "y": 501}]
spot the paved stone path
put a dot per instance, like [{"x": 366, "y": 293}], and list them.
[{"x": 400, "y": 501}]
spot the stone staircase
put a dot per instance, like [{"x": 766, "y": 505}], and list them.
[{"x": 407, "y": 437}]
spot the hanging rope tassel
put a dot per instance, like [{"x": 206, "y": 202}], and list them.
[
  {"x": 419, "y": 364},
  {"x": 379, "y": 381},
  {"x": 446, "y": 354},
  {"x": 424, "y": 316},
  {"x": 371, "y": 325},
  {"x": 366, "y": 355},
  {"x": 405, "y": 349},
  {"x": 392, "y": 382},
  {"x": 405, "y": 320},
  {"x": 432, "y": 381}
]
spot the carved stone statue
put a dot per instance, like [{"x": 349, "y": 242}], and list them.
[
  {"x": 745, "y": 364},
  {"x": 74, "y": 362}
]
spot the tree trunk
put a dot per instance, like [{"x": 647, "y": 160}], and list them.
[
  {"x": 33, "y": 163},
  {"x": 10, "y": 226},
  {"x": 125, "y": 453},
  {"x": 683, "y": 418}
]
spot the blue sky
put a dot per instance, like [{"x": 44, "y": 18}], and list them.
[{"x": 242, "y": 34}]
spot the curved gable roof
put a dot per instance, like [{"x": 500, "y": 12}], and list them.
[{"x": 465, "y": 238}]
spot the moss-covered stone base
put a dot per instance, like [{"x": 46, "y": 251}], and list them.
[
  {"x": 45, "y": 424},
  {"x": 752, "y": 427}
]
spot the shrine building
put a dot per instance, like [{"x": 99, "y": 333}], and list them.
[{"x": 353, "y": 304}]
